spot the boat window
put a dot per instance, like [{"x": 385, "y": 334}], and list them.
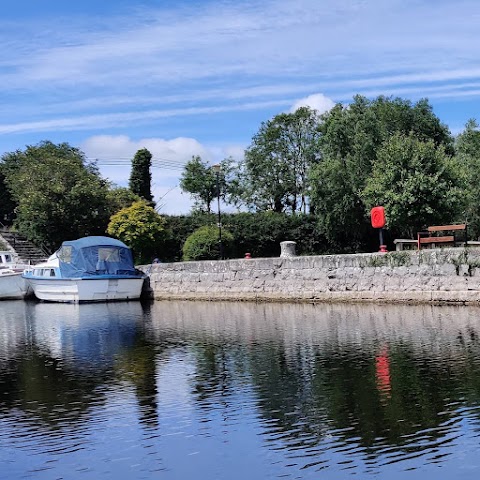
[
  {"x": 52, "y": 272},
  {"x": 108, "y": 254},
  {"x": 5, "y": 258},
  {"x": 65, "y": 254}
]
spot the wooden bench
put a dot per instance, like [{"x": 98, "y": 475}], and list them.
[{"x": 429, "y": 238}]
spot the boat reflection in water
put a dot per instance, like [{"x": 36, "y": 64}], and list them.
[{"x": 194, "y": 390}]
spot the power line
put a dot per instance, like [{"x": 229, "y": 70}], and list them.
[{"x": 126, "y": 161}]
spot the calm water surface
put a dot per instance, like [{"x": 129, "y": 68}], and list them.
[{"x": 175, "y": 390}]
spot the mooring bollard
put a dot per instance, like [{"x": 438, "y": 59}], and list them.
[{"x": 287, "y": 249}]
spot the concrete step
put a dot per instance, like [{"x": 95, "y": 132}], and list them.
[{"x": 25, "y": 250}]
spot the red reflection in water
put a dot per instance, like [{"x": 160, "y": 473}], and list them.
[{"x": 382, "y": 373}]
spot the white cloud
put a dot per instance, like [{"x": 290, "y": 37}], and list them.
[
  {"x": 317, "y": 101},
  {"x": 114, "y": 155}
]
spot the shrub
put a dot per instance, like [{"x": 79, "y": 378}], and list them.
[
  {"x": 203, "y": 244},
  {"x": 257, "y": 233}
]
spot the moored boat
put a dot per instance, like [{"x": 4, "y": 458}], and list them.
[
  {"x": 90, "y": 269},
  {"x": 12, "y": 285}
]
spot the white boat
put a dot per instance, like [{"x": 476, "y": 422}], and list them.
[
  {"x": 90, "y": 269},
  {"x": 12, "y": 285}
]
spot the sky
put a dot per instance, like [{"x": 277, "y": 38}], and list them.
[{"x": 184, "y": 78}]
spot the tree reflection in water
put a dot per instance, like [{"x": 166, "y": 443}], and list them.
[{"x": 330, "y": 386}]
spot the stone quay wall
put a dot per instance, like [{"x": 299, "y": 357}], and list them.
[{"x": 428, "y": 276}]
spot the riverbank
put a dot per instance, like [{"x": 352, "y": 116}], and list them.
[{"x": 440, "y": 276}]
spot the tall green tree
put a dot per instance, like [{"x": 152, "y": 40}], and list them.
[
  {"x": 60, "y": 196},
  {"x": 202, "y": 183},
  {"x": 351, "y": 137},
  {"x": 198, "y": 179},
  {"x": 275, "y": 172},
  {"x": 417, "y": 183},
  {"x": 141, "y": 177},
  {"x": 467, "y": 146}
]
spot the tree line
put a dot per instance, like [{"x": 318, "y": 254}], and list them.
[
  {"x": 51, "y": 193},
  {"x": 318, "y": 174},
  {"x": 337, "y": 166}
]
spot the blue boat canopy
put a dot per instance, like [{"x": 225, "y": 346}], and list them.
[{"x": 93, "y": 256}]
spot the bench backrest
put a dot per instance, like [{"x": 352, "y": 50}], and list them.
[{"x": 440, "y": 228}]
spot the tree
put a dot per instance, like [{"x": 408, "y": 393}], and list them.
[
  {"x": 140, "y": 176},
  {"x": 200, "y": 181},
  {"x": 274, "y": 173},
  {"x": 60, "y": 196},
  {"x": 467, "y": 148},
  {"x": 417, "y": 183},
  {"x": 141, "y": 228},
  {"x": 121, "y": 197},
  {"x": 7, "y": 204},
  {"x": 10, "y": 164},
  {"x": 351, "y": 137}
]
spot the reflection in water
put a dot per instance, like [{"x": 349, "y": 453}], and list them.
[
  {"x": 125, "y": 390},
  {"x": 382, "y": 370}
]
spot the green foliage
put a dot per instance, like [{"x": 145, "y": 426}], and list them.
[
  {"x": 59, "y": 195},
  {"x": 121, "y": 197},
  {"x": 416, "y": 182},
  {"x": 140, "y": 176},
  {"x": 352, "y": 137},
  {"x": 257, "y": 233},
  {"x": 274, "y": 174},
  {"x": 204, "y": 244},
  {"x": 199, "y": 180},
  {"x": 7, "y": 203},
  {"x": 141, "y": 228},
  {"x": 391, "y": 259},
  {"x": 205, "y": 185},
  {"x": 468, "y": 155},
  {"x": 260, "y": 233}
]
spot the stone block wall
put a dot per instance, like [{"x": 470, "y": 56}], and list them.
[{"x": 438, "y": 276}]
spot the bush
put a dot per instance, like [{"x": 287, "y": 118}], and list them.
[
  {"x": 204, "y": 244},
  {"x": 257, "y": 233},
  {"x": 261, "y": 233},
  {"x": 178, "y": 229}
]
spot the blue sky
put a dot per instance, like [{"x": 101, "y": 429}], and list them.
[{"x": 185, "y": 78}]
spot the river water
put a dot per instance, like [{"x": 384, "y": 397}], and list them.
[{"x": 186, "y": 390}]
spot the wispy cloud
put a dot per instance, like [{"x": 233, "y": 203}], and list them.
[
  {"x": 124, "y": 118},
  {"x": 164, "y": 47},
  {"x": 212, "y": 71}
]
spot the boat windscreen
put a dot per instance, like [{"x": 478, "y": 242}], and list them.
[{"x": 97, "y": 260}]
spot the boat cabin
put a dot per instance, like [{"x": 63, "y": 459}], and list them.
[
  {"x": 44, "y": 272},
  {"x": 6, "y": 259}
]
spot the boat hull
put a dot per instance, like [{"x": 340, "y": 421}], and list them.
[
  {"x": 86, "y": 289},
  {"x": 12, "y": 286}
]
